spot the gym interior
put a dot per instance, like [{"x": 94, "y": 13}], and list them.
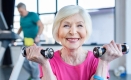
[{"x": 110, "y": 21}]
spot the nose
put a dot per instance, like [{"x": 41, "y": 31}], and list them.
[{"x": 73, "y": 30}]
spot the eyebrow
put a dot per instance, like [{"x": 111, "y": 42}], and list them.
[
  {"x": 69, "y": 22},
  {"x": 80, "y": 22},
  {"x": 66, "y": 22}
]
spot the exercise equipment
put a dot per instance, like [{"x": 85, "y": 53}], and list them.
[
  {"x": 6, "y": 36},
  {"x": 98, "y": 51},
  {"x": 47, "y": 53}
]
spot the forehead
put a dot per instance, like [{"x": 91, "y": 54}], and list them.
[{"x": 74, "y": 18}]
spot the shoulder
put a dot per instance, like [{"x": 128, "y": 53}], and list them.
[{"x": 32, "y": 13}]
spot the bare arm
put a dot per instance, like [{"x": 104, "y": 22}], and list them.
[
  {"x": 33, "y": 54},
  {"x": 19, "y": 31},
  {"x": 113, "y": 51},
  {"x": 41, "y": 27},
  {"x": 102, "y": 70},
  {"x": 48, "y": 74}
]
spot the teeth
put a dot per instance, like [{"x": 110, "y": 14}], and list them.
[{"x": 73, "y": 39}]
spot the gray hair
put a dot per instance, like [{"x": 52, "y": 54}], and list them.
[
  {"x": 21, "y": 5},
  {"x": 68, "y": 11}
]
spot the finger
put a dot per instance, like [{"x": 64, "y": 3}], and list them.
[
  {"x": 37, "y": 50},
  {"x": 120, "y": 50},
  {"x": 33, "y": 51},
  {"x": 34, "y": 44},
  {"x": 27, "y": 50},
  {"x": 115, "y": 46},
  {"x": 119, "y": 47},
  {"x": 117, "y": 52},
  {"x": 30, "y": 52},
  {"x": 108, "y": 49},
  {"x": 112, "y": 48},
  {"x": 36, "y": 54}
]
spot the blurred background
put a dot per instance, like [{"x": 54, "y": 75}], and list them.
[{"x": 110, "y": 19}]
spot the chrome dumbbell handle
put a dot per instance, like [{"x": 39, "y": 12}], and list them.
[
  {"x": 98, "y": 52},
  {"x": 48, "y": 53}
]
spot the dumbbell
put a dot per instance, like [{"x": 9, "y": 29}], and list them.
[
  {"x": 98, "y": 51},
  {"x": 47, "y": 53}
]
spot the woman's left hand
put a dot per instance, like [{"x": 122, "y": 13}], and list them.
[{"x": 113, "y": 51}]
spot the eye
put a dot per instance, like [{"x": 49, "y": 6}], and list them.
[
  {"x": 80, "y": 26},
  {"x": 66, "y": 26}
]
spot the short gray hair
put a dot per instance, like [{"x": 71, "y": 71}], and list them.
[
  {"x": 68, "y": 11},
  {"x": 21, "y": 5}
]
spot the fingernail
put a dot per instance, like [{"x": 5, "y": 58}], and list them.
[{"x": 112, "y": 41}]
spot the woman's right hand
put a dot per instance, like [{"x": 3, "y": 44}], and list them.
[
  {"x": 113, "y": 51},
  {"x": 33, "y": 54}
]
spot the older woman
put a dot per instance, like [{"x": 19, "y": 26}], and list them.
[{"x": 72, "y": 26}]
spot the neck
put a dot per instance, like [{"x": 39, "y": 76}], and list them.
[{"x": 73, "y": 57}]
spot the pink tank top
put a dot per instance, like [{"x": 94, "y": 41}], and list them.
[{"x": 64, "y": 71}]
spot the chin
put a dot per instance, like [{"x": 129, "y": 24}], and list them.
[{"x": 72, "y": 47}]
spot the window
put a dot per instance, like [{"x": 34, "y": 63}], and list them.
[
  {"x": 62, "y": 3},
  {"x": 47, "y": 6},
  {"x": 103, "y": 26},
  {"x": 96, "y": 4},
  {"x": 48, "y": 24},
  {"x": 16, "y": 20}
]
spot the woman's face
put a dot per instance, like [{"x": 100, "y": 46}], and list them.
[{"x": 72, "y": 32}]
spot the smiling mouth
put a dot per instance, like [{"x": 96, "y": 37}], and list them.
[{"x": 72, "y": 39}]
